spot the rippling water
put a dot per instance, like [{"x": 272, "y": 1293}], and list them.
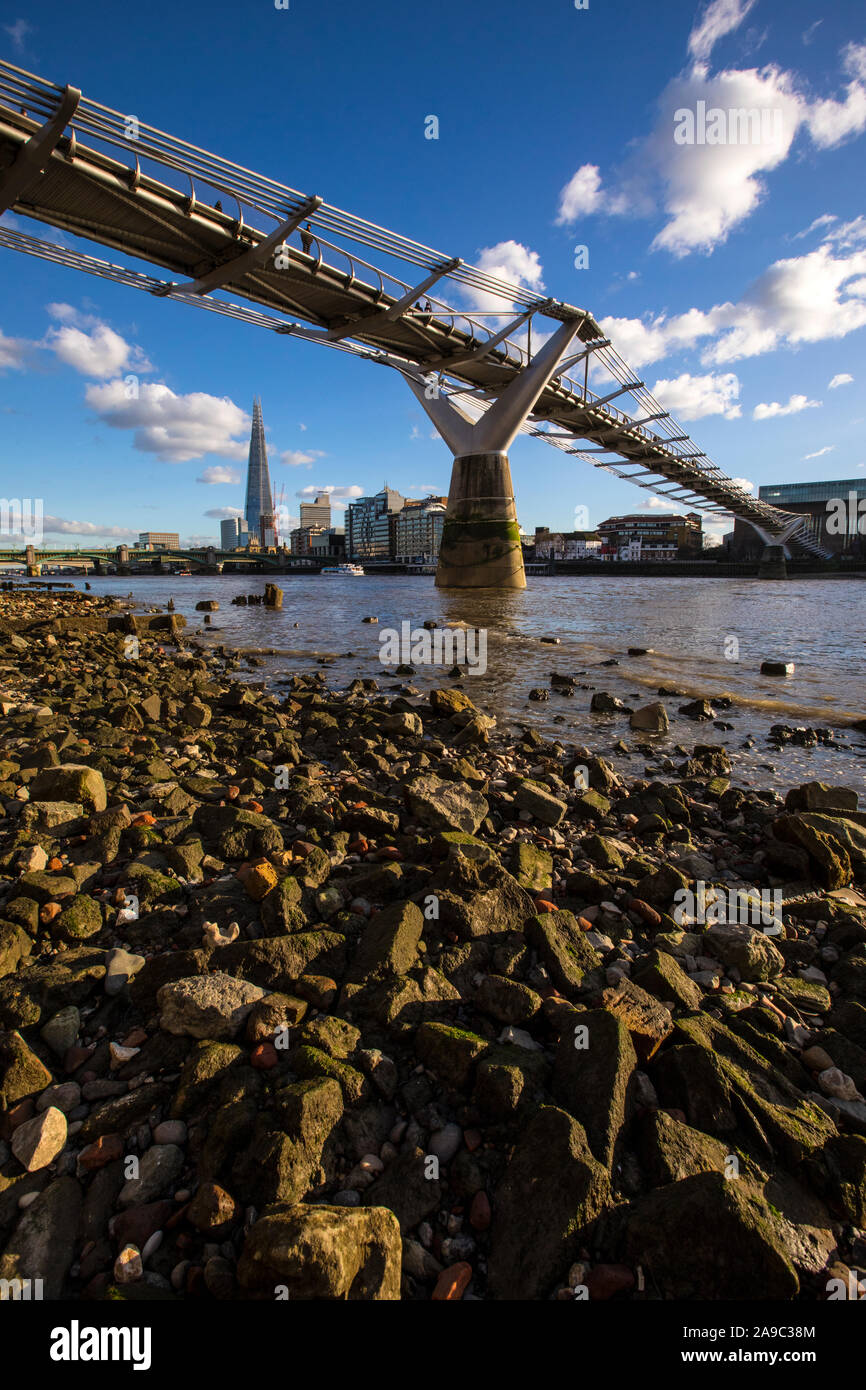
[{"x": 708, "y": 637}]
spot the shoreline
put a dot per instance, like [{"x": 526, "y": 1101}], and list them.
[{"x": 343, "y": 970}]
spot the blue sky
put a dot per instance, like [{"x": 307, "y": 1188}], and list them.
[{"x": 733, "y": 278}]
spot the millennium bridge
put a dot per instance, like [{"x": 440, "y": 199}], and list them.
[{"x": 222, "y": 234}]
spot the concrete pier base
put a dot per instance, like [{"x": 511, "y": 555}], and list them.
[
  {"x": 481, "y": 539},
  {"x": 773, "y": 564}
]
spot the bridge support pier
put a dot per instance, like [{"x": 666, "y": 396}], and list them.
[
  {"x": 772, "y": 564},
  {"x": 480, "y": 545}
]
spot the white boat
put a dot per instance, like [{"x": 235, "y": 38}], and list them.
[{"x": 342, "y": 569}]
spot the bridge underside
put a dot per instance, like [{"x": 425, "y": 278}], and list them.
[{"x": 163, "y": 203}]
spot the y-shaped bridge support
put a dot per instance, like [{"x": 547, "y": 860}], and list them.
[
  {"x": 481, "y": 537},
  {"x": 776, "y": 552}
]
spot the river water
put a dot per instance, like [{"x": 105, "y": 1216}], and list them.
[{"x": 708, "y": 637}]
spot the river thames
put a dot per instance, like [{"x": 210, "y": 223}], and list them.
[{"x": 707, "y": 638}]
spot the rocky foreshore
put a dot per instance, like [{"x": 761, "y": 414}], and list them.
[{"x": 351, "y": 995}]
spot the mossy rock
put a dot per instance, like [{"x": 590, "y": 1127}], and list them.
[
  {"x": 206, "y": 1064},
  {"x": 308, "y": 1062},
  {"x": 533, "y": 868},
  {"x": 79, "y": 919},
  {"x": 449, "y": 1052}
]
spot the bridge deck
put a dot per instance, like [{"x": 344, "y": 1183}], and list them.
[{"x": 326, "y": 291}]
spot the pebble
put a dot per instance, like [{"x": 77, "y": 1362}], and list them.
[
  {"x": 120, "y": 967},
  {"x": 444, "y": 1143},
  {"x": 38, "y": 1142},
  {"x": 170, "y": 1132},
  {"x": 128, "y": 1266},
  {"x": 452, "y": 1282}
]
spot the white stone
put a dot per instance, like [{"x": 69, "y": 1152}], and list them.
[{"x": 37, "y": 1142}]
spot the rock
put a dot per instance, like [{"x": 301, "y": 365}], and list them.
[
  {"x": 71, "y": 782},
  {"x": 37, "y": 1142},
  {"x": 648, "y": 1021},
  {"x": 664, "y": 979},
  {"x": 207, "y": 1006},
  {"x": 211, "y": 1208},
  {"x": 120, "y": 967},
  {"x": 450, "y": 1052},
  {"x": 61, "y": 1030},
  {"x": 553, "y": 1175},
  {"x": 751, "y": 951},
  {"x": 42, "y": 1246},
  {"x": 447, "y": 703},
  {"x": 833, "y": 1082},
  {"x": 540, "y": 802},
  {"x": 407, "y": 1189},
  {"x": 777, "y": 668},
  {"x": 445, "y": 805},
  {"x": 445, "y": 1142},
  {"x": 594, "y": 1066},
  {"x": 743, "y": 1260},
  {"x": 21, "y": 1072},
  {"x": 66, "y": 1096},
  {"x": 452, "y": 1282},
  {"x": 323, "y": 1252},
  {"x": 602, "y": 703},
  {"x": 818, "y": 796},
  {"x": 650, "y": 719},
  {"x": 159, "y": 1167},
  {"x": 128, "y": 1267},
  {"x": 389, "y": 945},
  {"x": 562, "y": 948},
  {"x": 829, "y": 859},
  {"x": 533, "y": 868},
  {"x": 508, "y": 1001},
  {"x": 670, "y": 1150}
]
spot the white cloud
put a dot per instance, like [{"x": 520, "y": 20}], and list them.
[
  {"x": 218, "y": 473},
  {"x": 583, "y": 195},
  {"x": 849, "y": 234},
  {"x": 819, "y": 453},
  {"x": 693, "y": 397},
  {"x": 794, "y": 406},
  {"x": 719, "y": 18},
  {"x": 18, "y": 32},
  {"x": 12, "y": 351},
  {"x": 840, "y": 379},
  {"x": 745, "y": 483},
  {"x": 223, "y": 513},
  {"x": 507, "y": 260},
  {"x": 829, "y": 121},
  {"x": 659, "y": 504},
  {"x": 706, "y": 190},
  {"x": 56, "y": 525},
  {"x": 296, "y": 458},
  {"x": 99, "y": 352},
  {"x": 803, "y": 299},
  {"x": 174, "y": 428},
  {"x": 825, "y": 220}
]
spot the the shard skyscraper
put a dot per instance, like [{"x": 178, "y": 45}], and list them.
[{"x": 259, "y": 507}]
